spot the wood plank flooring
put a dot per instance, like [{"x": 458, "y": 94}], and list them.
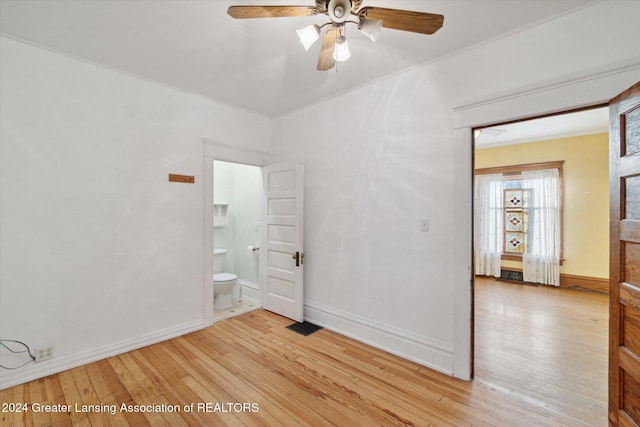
[
  {"x": 540, "y": 361},
  {"x": 546, "y": 345}
]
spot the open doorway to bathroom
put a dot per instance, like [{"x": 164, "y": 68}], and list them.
[{"x": 237, "y": 199}]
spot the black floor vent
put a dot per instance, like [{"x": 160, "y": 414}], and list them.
[
  {"x": 516, "y": 276},
  {"x": 304, "y": 328}
]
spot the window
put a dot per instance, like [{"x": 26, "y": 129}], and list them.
[
  {"x": 516, "y": 217},
  {"x": 523, "y": 211}
]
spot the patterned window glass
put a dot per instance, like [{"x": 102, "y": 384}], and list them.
[
  {"x": 513, "y": 199},
  {"x": 515, "y": 217}
]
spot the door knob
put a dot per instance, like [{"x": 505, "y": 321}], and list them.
[{"x": 296, "y": 256}]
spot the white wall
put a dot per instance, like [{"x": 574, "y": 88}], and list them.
[
  {"x": 247, "y": 203},
  {"x": 99, "y": 252},
  {"x": 369, "y": 271},
  {"x": 399, "y": 150}
]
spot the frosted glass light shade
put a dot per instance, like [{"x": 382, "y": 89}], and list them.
[
  {"x": 371, "y": 28},
  {"x": 341, "y": 52},
  {"x": 308, "y": 35}
]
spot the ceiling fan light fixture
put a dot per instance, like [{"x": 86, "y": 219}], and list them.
[
  {"x": 369, "y": 21},
  {"x": 308, "y": 35},
  {"x": 371, "y": 28},
  {"x": 341, "y": 52},
  {"x": 339, "y": 10}
]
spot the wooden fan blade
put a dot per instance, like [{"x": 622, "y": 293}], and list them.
[
  {"x": 325, "y": 60},
  {"x": 243, "y": 12},
  {"x": 405, "y": 20}
]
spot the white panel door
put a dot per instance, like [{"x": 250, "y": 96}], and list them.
[{"x": 281, "y": 256}]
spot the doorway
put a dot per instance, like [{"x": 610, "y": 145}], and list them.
[
  {"x": 576, "y": 145},
  {"x": 237, "y": 200},
  {"x": 221, "y": 151},
  {"x": 522, "y": 340},
  {"x": 281, "y": 250}
]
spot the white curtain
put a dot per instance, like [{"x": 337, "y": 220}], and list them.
[
  {"x": 541, "y": 263},
  {"x": 488, "y": 224}
]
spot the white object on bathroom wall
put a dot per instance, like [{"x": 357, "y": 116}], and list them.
[{"x": 220, "y": 214}]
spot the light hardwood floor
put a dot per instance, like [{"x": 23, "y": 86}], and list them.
[
  {"x": 545, "y": 345},
  {"x": 540, "y": 361}
]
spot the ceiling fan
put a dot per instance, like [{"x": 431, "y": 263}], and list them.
[{"x": 369, "y": 20}]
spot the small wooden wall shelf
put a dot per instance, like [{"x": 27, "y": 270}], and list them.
[{"x": 187, "y": 179}]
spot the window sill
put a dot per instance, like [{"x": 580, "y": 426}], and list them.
[
  {"x": 511, "y": 257},
  {"x": 518, "y": 257}
]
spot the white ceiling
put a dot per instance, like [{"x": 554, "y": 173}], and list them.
[
  {"x": 254, "y": 64},
  {"x": 562, "y": 126}
]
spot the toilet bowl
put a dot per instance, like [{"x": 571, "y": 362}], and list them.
[{"x": 223, "y": 285}]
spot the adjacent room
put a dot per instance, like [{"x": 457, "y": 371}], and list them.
[
  {"x": 181, "y": 181},
  {"x": 541, "y": 281}
]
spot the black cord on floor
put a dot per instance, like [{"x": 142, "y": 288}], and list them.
[{"x": 27, "y": 350}]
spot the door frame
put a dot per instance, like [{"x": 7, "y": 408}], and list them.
[
  {"x": 216, "y": 150},
  {"x": 591, "y": 87}
]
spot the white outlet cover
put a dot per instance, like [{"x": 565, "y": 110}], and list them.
[{"x": 44, "y": 353}]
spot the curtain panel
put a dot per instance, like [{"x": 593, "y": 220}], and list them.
[
  {"x": 488, "y": 224},
  {"x": 541, "y": 263}
]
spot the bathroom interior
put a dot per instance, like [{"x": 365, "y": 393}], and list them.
[{"x": 237, "y": 200}]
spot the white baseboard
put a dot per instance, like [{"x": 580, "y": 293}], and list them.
[
  {"x": 39, "y": 370},
  {"x": 250, "y": 290},
  {"x": 420, "y": 349}
]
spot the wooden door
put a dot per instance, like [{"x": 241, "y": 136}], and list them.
[
  {"x": 624, "y": 282},
  {"x": 281, "y": 257}
]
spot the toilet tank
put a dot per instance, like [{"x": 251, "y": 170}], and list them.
[{"x": 218, "y": 260}]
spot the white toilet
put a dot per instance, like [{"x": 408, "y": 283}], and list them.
[{"x": 223, "y": 283}]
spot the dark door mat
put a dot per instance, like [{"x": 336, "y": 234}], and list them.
[{"x": 304, "y": 328}]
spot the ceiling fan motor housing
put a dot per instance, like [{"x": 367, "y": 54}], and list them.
[{"x": 339, "y": 10}]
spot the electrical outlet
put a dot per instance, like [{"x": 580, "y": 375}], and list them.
[{"x": 44, "y": 353}]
